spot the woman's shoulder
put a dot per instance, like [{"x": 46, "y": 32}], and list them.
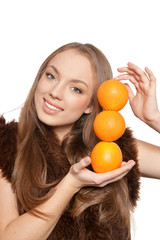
[
  {"x": 8, "y": 133},
  {"x": 8, "y": 143},
  {"x": 7, "y": 126}
]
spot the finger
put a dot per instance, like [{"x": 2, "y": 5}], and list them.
[
  {"x": 85, "y": 162},
  {"x": 143, "y": 76},
  {"x": 131, "y": 78},
  {"x": 151, "y": 75},
  {"x": 115, "y": 179},
  {"x": 125, "y": 168},
  {"x": 115, "y": 173},
  {"x": 130, "y": 92},
  {"x": 123, "y": 163},
  {"x": 128, "y": 71},
  {"x": 120, "y": 175},
  {"x": 125, "y": 69},
  {"x": 126, "y": 77}
]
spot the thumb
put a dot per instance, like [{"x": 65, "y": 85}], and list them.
[
  {"x": 84, "y": 163},
  {"x": 130, "y": 92}
]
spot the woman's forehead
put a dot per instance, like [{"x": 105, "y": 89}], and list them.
[{"x": 71, "y": 62}]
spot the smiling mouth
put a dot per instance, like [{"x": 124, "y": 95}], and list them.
[{"x": 51, "y": 107}]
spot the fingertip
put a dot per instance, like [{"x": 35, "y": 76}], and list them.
[
  {"x": 123, "y": 163},
  {"x": 148, "y": 70},
  {"x": 87, "y": 160},
  {"x": 150, "y": 74},
  {"x": 83, "y": 163},
  {"x": 132, "y": 162},
  {"x": 131, "y": 65},
  {"x": 130, "y": 92},
  {"x": 126, "y": 84}
]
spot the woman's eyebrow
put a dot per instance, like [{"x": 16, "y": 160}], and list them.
[
  {"x": 79, "y": 81},
  {"x": 55, "y": 69}
]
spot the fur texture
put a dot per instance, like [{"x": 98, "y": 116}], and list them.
[{"x": 86, "y": 226}]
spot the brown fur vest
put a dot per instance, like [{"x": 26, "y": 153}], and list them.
[{"x": 86, "y": 225}]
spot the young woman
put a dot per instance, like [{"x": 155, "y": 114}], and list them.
[{"x": 47, "y": 187}]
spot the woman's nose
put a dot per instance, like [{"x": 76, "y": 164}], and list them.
[{"x": 57, "y": 91}]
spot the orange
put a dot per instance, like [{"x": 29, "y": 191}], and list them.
[
  {"x": 109, "y": 125},
  {"x": 105, "y": 157},
  {"x": 112, "y": 95}
]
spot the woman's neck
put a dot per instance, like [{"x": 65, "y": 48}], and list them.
[{"x": 62, "y": 131}]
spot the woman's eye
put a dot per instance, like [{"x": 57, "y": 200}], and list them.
[
  {"x": 50, "y": 76},
  {"x": 76, "y": 89}
]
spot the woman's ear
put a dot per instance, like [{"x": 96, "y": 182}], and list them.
[{"x": 89, "y": 109}]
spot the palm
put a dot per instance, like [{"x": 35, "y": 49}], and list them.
[
  {"x": 80, "y": 176},
  {"x": 144, "y": 103}
]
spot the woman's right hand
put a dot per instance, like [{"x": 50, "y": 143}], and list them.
[{"x": 79, "y": 176}]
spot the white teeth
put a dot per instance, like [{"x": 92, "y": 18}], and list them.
[{"x": 52, "y": 107}]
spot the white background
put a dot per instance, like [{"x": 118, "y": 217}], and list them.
[{"x": 124, "y": 30}]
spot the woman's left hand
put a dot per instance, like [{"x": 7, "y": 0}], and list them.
[{"x": 144, "y": 102}]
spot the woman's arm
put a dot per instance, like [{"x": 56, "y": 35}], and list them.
[
  {"x": 149, "y": 159},
  {"x": 29, "y": 226},
  {"x": 32, "y": 227},
  {"x": 145, "y": 107}
]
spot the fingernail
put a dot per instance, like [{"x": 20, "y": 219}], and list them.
[
  {"x": 133, "y": 163},
  {"x": 88, "y": 159},
  {"x": 123, "y": 163}
]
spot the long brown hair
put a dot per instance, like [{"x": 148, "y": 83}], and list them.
[{"x": 30, "y": 169}]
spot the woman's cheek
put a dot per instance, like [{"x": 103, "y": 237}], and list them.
[{"x": 79, "y": 103}]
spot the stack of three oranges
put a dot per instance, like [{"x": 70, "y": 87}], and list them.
[{"x": 109, "y": 125}]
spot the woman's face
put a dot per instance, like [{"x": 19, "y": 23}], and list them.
[{"x": 64, "y": 91}]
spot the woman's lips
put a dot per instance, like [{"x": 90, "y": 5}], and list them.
[{"x": 50, "y": 108}]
